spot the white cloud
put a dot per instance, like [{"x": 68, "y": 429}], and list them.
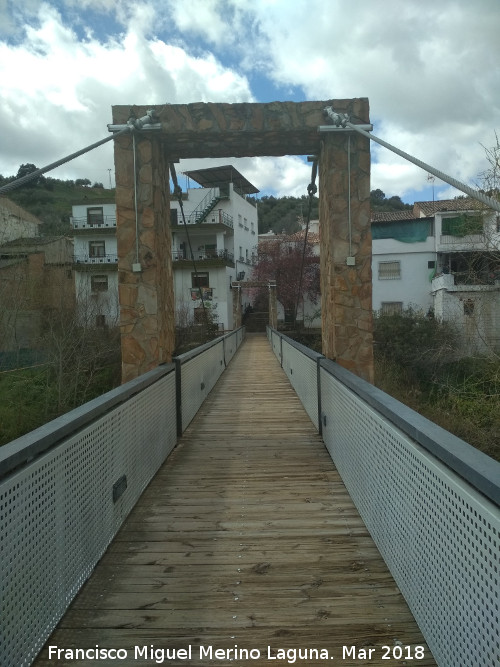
[
  {"x": 57, "y": 91},
  {"x": 430, "y": 70}
]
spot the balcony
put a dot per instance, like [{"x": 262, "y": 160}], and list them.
[
  {"x": 475, "y": 280},
  {"x": 85, "y": 262},
  {"x": 216, "y": 217},
  {"x": 105, "y": 222},
  {"x": 206, "y": 257}
]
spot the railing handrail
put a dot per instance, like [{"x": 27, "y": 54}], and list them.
[
  {"x": 43, "y": 438},
  {"x": 85, "y": 257},
  {"x": 477, "y": 468},
  {"x": 187, "y": 356},
  {"x": 84, "y": 220}
]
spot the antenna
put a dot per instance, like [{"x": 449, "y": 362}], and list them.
[{"x": 431, "y": 179}]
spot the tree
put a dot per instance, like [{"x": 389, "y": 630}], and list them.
[
  {"x": 26, "y": 169},
  {"x": 82, "y": 182},
  {"x": 280, "y": 259}
]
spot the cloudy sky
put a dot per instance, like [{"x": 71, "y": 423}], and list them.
[{"x": 430, "y": 68}]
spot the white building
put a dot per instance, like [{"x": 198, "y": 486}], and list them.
[
  {"x": 221, "y": 229},
  {"x": 95, "y": 263},
  {"x": 441, "y": 257}
]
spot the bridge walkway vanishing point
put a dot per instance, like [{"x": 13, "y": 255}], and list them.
[{"x": 246, "y": 537}]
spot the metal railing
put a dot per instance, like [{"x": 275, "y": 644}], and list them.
[
  {"x": 90, "y": 259},
  {"x": 180, "y": 255},
  {"x": 430, "y": 501},
  {"x": 199, "y": 370},
  {"x": 66, "y": 488},
  {"x": 84, "y": 223}
]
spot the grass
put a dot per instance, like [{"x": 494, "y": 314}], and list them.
[{"x": 29, "y": 398}]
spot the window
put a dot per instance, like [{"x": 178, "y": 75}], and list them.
[
  {"x": 469, "y": 307},
  {"x": 199, "y": 280},
  {"x": 431, "y": 264},
  {"x": 99, "y": 283},
  {"x": 391, "y": 307},
  {"x": 389, "y": 270},
  {"x": 97, "y": 248},
  {"x": 95, "y": 215}
]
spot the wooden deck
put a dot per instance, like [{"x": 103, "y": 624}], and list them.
[{"x": 247, "y": 537}]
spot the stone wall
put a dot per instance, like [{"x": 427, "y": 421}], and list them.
[
  {"x": 146, "y": 296},
  {"x": 346, "y": 290},
  {"x": 215, "y": 130}
]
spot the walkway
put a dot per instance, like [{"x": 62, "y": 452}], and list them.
[{"x": 246, "y": 537}]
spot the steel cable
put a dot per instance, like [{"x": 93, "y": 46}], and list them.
[
  {"x": 35, "y": 174},
  {"x": 178, "y": 194},
  {"x": 311, "y": 190},
  {"x": 343, "y": 120}
]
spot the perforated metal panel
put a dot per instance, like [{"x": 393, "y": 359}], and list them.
[
  {"x": 231, "y": 343},
  {"x": 302, "y": 372},
  {"x": 57, "y": 514},
  {"x": 275, "y": 340},
  {"x": 438, "y": 535},
  {"x": 198, "y": 377}
]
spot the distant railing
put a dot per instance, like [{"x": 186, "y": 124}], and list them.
[
  {"x": 470, "y": 239},
  {"x": 430, "y": 501},
  {"x": 66, "y": 488},
  {"x": 90, "y": 259},
  {"x": 83, "y": 223},
  {"x": 180, "y": 255}
]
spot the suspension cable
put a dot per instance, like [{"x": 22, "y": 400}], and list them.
[
  {"x": 38, "y": 172},
  {"x": 144, "y": 123},
  {"x": 178, "y": 194},
  {"x": 311, "y": 190},
  {"x": 342, "y": 120}
]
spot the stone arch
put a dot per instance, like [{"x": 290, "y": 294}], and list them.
[{"x": 243, "y": 130}]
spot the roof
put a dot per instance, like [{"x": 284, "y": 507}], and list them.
[
  {"x": 214, "y": 176},
  {"x": 392, "y": 216},
  {"x": 458, "y": 204},
  {"x": 426, "y": 209},
  {"x": 17, "y": 211}
]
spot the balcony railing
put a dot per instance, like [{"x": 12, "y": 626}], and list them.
[
  {"x": 83, "y": 223},
  {"x": 184, "y": 255},
  {"x": 216, "y": 217},
  {"x": 88, "y": 259},
  {"x": 470, "y": 239}
]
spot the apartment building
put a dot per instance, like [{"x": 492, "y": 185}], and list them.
[
  {"x": 213, "y": 244},
  {"x": 95, "y": 263},
  {"x": 443, "y": 258},
  {"x": 219, "y": 234}
]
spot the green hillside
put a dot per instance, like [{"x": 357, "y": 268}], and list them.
[{"x": 51, "y": 199}]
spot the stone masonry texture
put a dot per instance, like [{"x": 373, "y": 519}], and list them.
[{"x": 235, "y": 130}]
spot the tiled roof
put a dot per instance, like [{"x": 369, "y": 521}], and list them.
[
  {"x": 458, "y": 204},
  {"x": 426, "y": 209},
  {"x": 391, "y": 216}
]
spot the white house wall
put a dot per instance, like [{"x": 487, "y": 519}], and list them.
[
  {"x": 221, "y": 303},
  {"x": 413, "y": 288},
  {"x": 91, "y": 304},
  {"x": 475, "y": 313}
]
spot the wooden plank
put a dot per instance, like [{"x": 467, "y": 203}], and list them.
[{"x": 245, "y": 537}]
